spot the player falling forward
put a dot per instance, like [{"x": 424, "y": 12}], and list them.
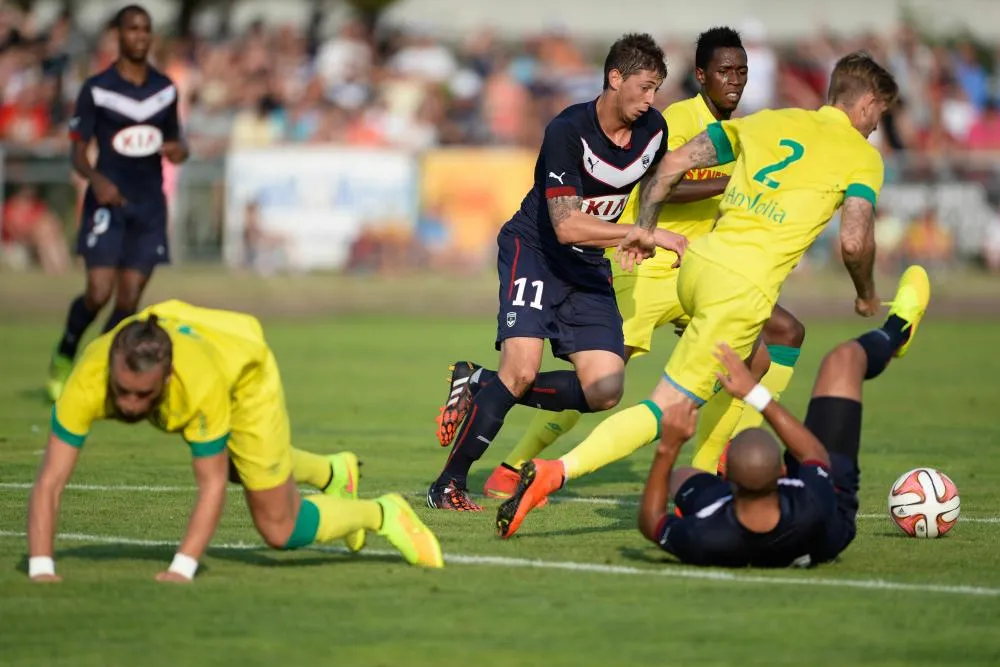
[
  {"x": 130, "y": 111},
  {"x": 759, "y": 516},
  {"x": 794, "y": 168},
  {"x": 647, "y": 297},
  {"x": 210, "y": 376},
  {"x": 555, "y": 282}
]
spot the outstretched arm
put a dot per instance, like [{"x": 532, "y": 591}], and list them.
[
  {"x": 699, "y": 152},
  {"x": 857, "y": 245},
  {"x": 43, "y": 507},
  {"x": 688, "y": 190},
  {"x": 679, "y": 423},
  {"x": 211, "y": 474},
  {"x": 574, "y": 227},
  {"x": 737, "y": 380}
]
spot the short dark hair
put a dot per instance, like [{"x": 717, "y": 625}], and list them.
[
  {"x": 856, "y": 74},
  {"x": 719, "y": 37},
  {"x": 119, "y": 19},
  {"x": 632, "y": 53},
  {"x": 144, "y": 344}
]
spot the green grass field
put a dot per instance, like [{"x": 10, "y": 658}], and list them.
[{"x": 578, "y": 586}]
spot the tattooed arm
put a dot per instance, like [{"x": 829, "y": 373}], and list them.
[
  {"x": 857, "y": 245},
  {"x": 655, "y": 189},
  {"x": 574, "y": 227}
]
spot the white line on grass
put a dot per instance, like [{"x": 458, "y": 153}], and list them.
[
  {"x": 590, "y": 500},
  {"x": 668, "y": 571}
]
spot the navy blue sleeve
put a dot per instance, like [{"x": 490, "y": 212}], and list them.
[
  {"x": 172, "y": 124},
  {"x": 819, "y": 487},
  {"x": 81, "y": 125},
  {"x": 676, "y": 536},
  {"x": 561, "y": 156}
]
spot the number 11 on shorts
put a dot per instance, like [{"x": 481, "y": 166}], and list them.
[{"x": 521, "y": 283}]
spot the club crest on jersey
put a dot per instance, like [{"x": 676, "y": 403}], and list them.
[
  {"x": 511, "y": 319},
  {"x": 616, "y": 177},
  {"x": 138, "y": 141},
  {"x": 606, "y": 207}
]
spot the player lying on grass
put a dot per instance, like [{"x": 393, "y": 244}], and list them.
[
  {"x": 762, "y": 515},
  {"x": 210, "y": 376},
  {"x": 647, "y": 296},
  {"x": 794, "y": 169}
]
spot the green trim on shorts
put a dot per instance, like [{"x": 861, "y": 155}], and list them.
[
  {"x": 306, "y": 526},
  {"x": 783, "y": 355},
  {"x": 64, "y": 434},
  {"x": 201, "y": 450},
  {"x": 723, "y": 147},
  {"x": 657, "y": 412}
]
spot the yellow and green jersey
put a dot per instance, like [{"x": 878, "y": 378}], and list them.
[
  {"x": 213, "y": 354},
  {"x": 685, "y": 120},
  {"x": 792, "y": 170}
]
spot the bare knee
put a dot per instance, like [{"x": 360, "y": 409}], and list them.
[
  {"x": 518, "y": 376},
  {"x": 605, "y": 393},
  {"x": 847, "y": 355},
  {"x": 783, "y": 328},
  {"x": 274, "y": 513},
  {"x": 98, "y": 293},
  {"x": 130, "y": 287},
  {"x": 276, "y": 535}
]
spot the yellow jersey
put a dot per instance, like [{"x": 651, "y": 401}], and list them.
[
  {"x": 793, "y": 168},
  {"x": 214, "y": 353},
  {"x": 685, "y": 120}
]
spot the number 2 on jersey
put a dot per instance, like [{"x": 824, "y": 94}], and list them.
[{"x": 764, "y": 175}]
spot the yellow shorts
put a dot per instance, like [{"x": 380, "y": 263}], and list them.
[
  {"x": 646, "y": 304},
  {"x": 260, "y": 442},
  {"x": 724, "y": 307}
]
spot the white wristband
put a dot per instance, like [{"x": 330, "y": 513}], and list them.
[
  {"x": 758, "y": 397},
  {"x": 183, "y": 565},
  {"x": 39, "y": 565}
]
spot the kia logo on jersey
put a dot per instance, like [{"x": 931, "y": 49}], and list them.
[
  {"x": 138, "y": 141},
  {"x": 606, "y": 207}
]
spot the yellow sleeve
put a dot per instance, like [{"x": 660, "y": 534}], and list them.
[
  {"x": 208, "y": 431},
  {"x": 81, "y": 402},
  {"x": 725, "y": 136},
  {"x": 681, "y": 125},
  {"x": 866, "y": 179}
]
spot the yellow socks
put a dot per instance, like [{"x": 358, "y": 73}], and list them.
[
  {"x": 325, "y": 519},
  {"x": 311, "y": 469},
  {"x": 614, "y": 438},
  {"x": 544, "y": 429},
  {"x": 723, "y": 416}
]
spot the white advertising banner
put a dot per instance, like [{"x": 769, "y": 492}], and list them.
[{"x": 310, "y": 203}]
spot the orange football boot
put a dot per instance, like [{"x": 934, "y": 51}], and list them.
[
  {"x": 503, "y": 482},
  {"x": 538, "y": 479}
]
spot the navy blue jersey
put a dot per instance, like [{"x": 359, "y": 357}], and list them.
[
  {"x": 711, "y": 535},
  {"x": 130, "y": 124},
  {"x": 577, "y": 159}
]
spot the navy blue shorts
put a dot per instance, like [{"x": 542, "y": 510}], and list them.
[
  {"x": 133, "y": 236},
  {"x": 536, "y": 303}
]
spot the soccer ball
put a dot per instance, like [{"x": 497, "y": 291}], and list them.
[{"x": 924, "y": 503}]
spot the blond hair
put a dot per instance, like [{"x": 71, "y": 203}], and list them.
[{"x": 858, "y": 73}]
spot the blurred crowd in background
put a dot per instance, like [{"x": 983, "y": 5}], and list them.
[{"x": 406, "y": 88}]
